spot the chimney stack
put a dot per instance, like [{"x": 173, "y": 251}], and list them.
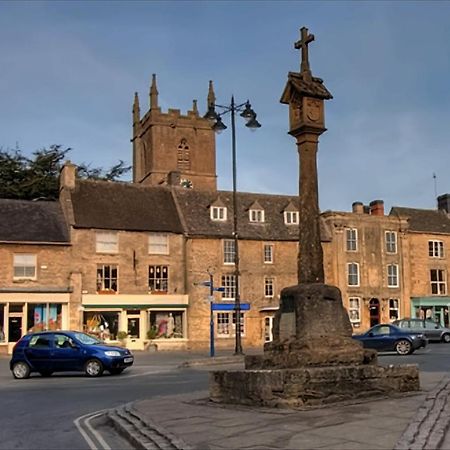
[
  {"x": 444, "y": 203},
  {"x": 67, "y": 176},
  {"x": 358, "y": 207},
  {"x": 377, "y": 208}
]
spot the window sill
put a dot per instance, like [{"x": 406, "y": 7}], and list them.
[{"x": 107, "y": 292}]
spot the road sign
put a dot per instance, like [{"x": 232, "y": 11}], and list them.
[{"x": 219, "y": 289}]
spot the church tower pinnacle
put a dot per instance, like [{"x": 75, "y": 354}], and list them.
[{"x": 153, "y": 93}]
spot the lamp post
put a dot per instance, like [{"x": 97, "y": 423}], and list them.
[{"x": 250, "y": 116}]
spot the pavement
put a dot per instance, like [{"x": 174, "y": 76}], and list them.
[{"x": 417, "y": 420}]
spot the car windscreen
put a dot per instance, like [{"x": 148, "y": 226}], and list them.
[{"x": 87, "y": 339}]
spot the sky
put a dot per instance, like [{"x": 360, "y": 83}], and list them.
[{"x": 69, "y": 70}]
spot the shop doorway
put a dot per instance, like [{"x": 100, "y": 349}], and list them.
[
  {"x": 14, "y": 328},
  {"x": 374, "y": 311},
  {"x": 133, "y": 327}
]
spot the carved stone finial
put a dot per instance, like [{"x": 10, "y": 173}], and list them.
[
  {"x": 194, "y": 106},
  {"x": 153, "y": 93},
  {"x": 305, "y": 39},
  {"x": 211, "y": 95}
]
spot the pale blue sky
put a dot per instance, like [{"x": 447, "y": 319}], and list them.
[{"x": 69, "y": 69}]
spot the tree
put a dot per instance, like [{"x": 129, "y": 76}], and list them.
[{"x": 38, "y": 177}]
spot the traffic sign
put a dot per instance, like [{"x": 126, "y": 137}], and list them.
[{"x": 219, "y": 289}]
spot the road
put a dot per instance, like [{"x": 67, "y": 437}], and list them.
[{"x": 40, "y": 413}]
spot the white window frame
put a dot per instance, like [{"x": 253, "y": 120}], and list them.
[
  {"x": 106, "y": 242},
  {"x": 268, "y": 250},
  {"x": 351, "y": 239},
  {"x": 354, "y": 309},
  {"x": 226, "y": 324},
  {"x": 256, "y": 215},
  {"x": 158, "y": 244},
  {"x": 392, "y": 275},
  {"x": 229, "y": 283},
  {"x": 352, "y": 274},
  {"x": 218, "y": 213},
  {"x": 440, "y": 283},
  {"x": 101, "y": 285},
  {"x": 160, "y": 276},
  {"x": 229, "y": 252},
  {"x": 435, "y": 249},
  {"x": 269, "y": 287},
  {"x": 291, "y": 217},
  {"x": 391, "y": 241},
  {"x": 24, "y": 262},
  {"x": 394, "y": 309}
]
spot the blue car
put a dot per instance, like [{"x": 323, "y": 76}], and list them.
[
  {"x": 387, "y": 338},
  {"x": 64, "y": 351}
]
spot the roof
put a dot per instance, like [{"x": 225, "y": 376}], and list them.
[
  {"x": 424, "y": 220},
  {"x": 298, "y": 85},
  {"x": 32, "y": 221},
  {"x": 195, "y": 207},
  {"x": 124, "y": 206}
]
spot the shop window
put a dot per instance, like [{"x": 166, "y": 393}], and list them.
[
  {"x": 158, "y": 244},
  {"x": 228, "y": 251},
  {"x": 226, "y": 324},
  {"x": 24, "y": 266},
  {"x": 268, "y": 254},
  {"x": 158, "y": 279},
  {"x": 268, "y": 329},
  {"x": 229, "y": 283},
  {"x": 353, "y": 274},
  {"x": 106, "y": 242},
  {"x": 391, "y": 241},
  {"x": 351, "y": 239},
  {"x": 44, "y": 316},
  {"x": 106, "y": 278},
  {"x": 268, "y": 287},
  {"x": 438, "y": 282},
  {"x": 392, "y": 273},
  {"x": 436, "y": 249},
  {"x": 354, "y": 310},
  {"x": 104, "y": 324},
  {"x": 166, "y": 324},
  {"x": 2, "y": 322},
  {"x": 394, "y": 311}
]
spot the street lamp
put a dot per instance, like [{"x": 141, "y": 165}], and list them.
[{"x": 250, "y": 116}]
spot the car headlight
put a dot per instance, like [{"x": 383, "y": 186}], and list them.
[{"x": 112, "y": 353}]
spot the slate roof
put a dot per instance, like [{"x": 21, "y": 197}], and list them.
[
  {"x": 32, "y": 221},
  {"x": 424, "y": 220},
  {"x": 124, "y": 206},
  {"x": 194, "y": 206},
  {"x": 298, "y": 85}
]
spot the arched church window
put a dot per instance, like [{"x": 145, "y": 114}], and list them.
[{"x": 183, "y": 156}]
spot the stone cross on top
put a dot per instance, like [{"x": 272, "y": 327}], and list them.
[{"x": 305, "y": 39}]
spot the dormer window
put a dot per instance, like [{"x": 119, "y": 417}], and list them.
[
  {"x": 256, "y": 215},
  {"x": 291, "y": 217},
  {"x": 218, "y": 213}
]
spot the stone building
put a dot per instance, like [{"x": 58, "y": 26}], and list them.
[{"x": 35, "y": 274}]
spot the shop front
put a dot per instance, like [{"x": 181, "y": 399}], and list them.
[
  {"x": 434, "y": 308},
  {"x": 22, "y": 313},
  {"x": 138, "y": 321}
]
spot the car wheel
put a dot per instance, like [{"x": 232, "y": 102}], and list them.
[
  {"x": 93, "y": 368},
  {"x": 21, "y": 370},
  {"x": 115, "y": 371},
  {"x": 46, "y": 373},
  {"x": 403, "y": 347},
  {"x": 446, "y": 338}
]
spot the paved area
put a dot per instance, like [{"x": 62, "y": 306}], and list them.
[{"x": 412, "y": 421}]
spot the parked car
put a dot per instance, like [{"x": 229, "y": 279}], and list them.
[
  {"x": 432, "y": 330},
  {"x": 387, "y": 337},
  {"x": 63, "y": 351}
]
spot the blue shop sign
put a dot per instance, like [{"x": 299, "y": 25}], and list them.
[{"x": 229, "y": 306}]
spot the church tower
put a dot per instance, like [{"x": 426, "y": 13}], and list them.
[{"x": 172, "y": 148}]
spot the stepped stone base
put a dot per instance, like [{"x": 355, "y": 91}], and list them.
[
  {"x": 312, "y": 360},
  {"x": 310, "y": 386}
]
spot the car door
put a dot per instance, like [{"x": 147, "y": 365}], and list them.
[
  {"x": 432, "y": 330},
  {"x": 39, "y": 352},
  {"x": 376, "y": 338},
  {"x": 66, "y": 355}
]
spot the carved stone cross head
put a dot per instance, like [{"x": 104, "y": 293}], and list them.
[{"x": 305, "y": 39}]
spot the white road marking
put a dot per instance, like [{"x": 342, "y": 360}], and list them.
[{"x": 87, "y": 418}]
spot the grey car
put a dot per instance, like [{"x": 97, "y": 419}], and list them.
[{"x": 432, "y": 330}]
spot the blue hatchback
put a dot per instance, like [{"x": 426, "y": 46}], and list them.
[{"x": 66, "y": 351}]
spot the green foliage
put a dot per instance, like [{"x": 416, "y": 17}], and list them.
[
  {"x": 152, "y": 333},
  {"x": 38, "y": 177},
  {"x": 121, "y": 335}
]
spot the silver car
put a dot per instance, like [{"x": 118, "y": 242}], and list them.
[{"x": 432, "y": 330}]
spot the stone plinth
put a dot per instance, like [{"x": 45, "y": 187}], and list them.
[
  {"x": 312, "y": 386},
  {"x": 312, "y": 360}
]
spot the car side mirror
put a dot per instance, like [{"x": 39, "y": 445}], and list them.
[
  {"x": 74, "y": 346},
  {"x": 436, "y": 326}
]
